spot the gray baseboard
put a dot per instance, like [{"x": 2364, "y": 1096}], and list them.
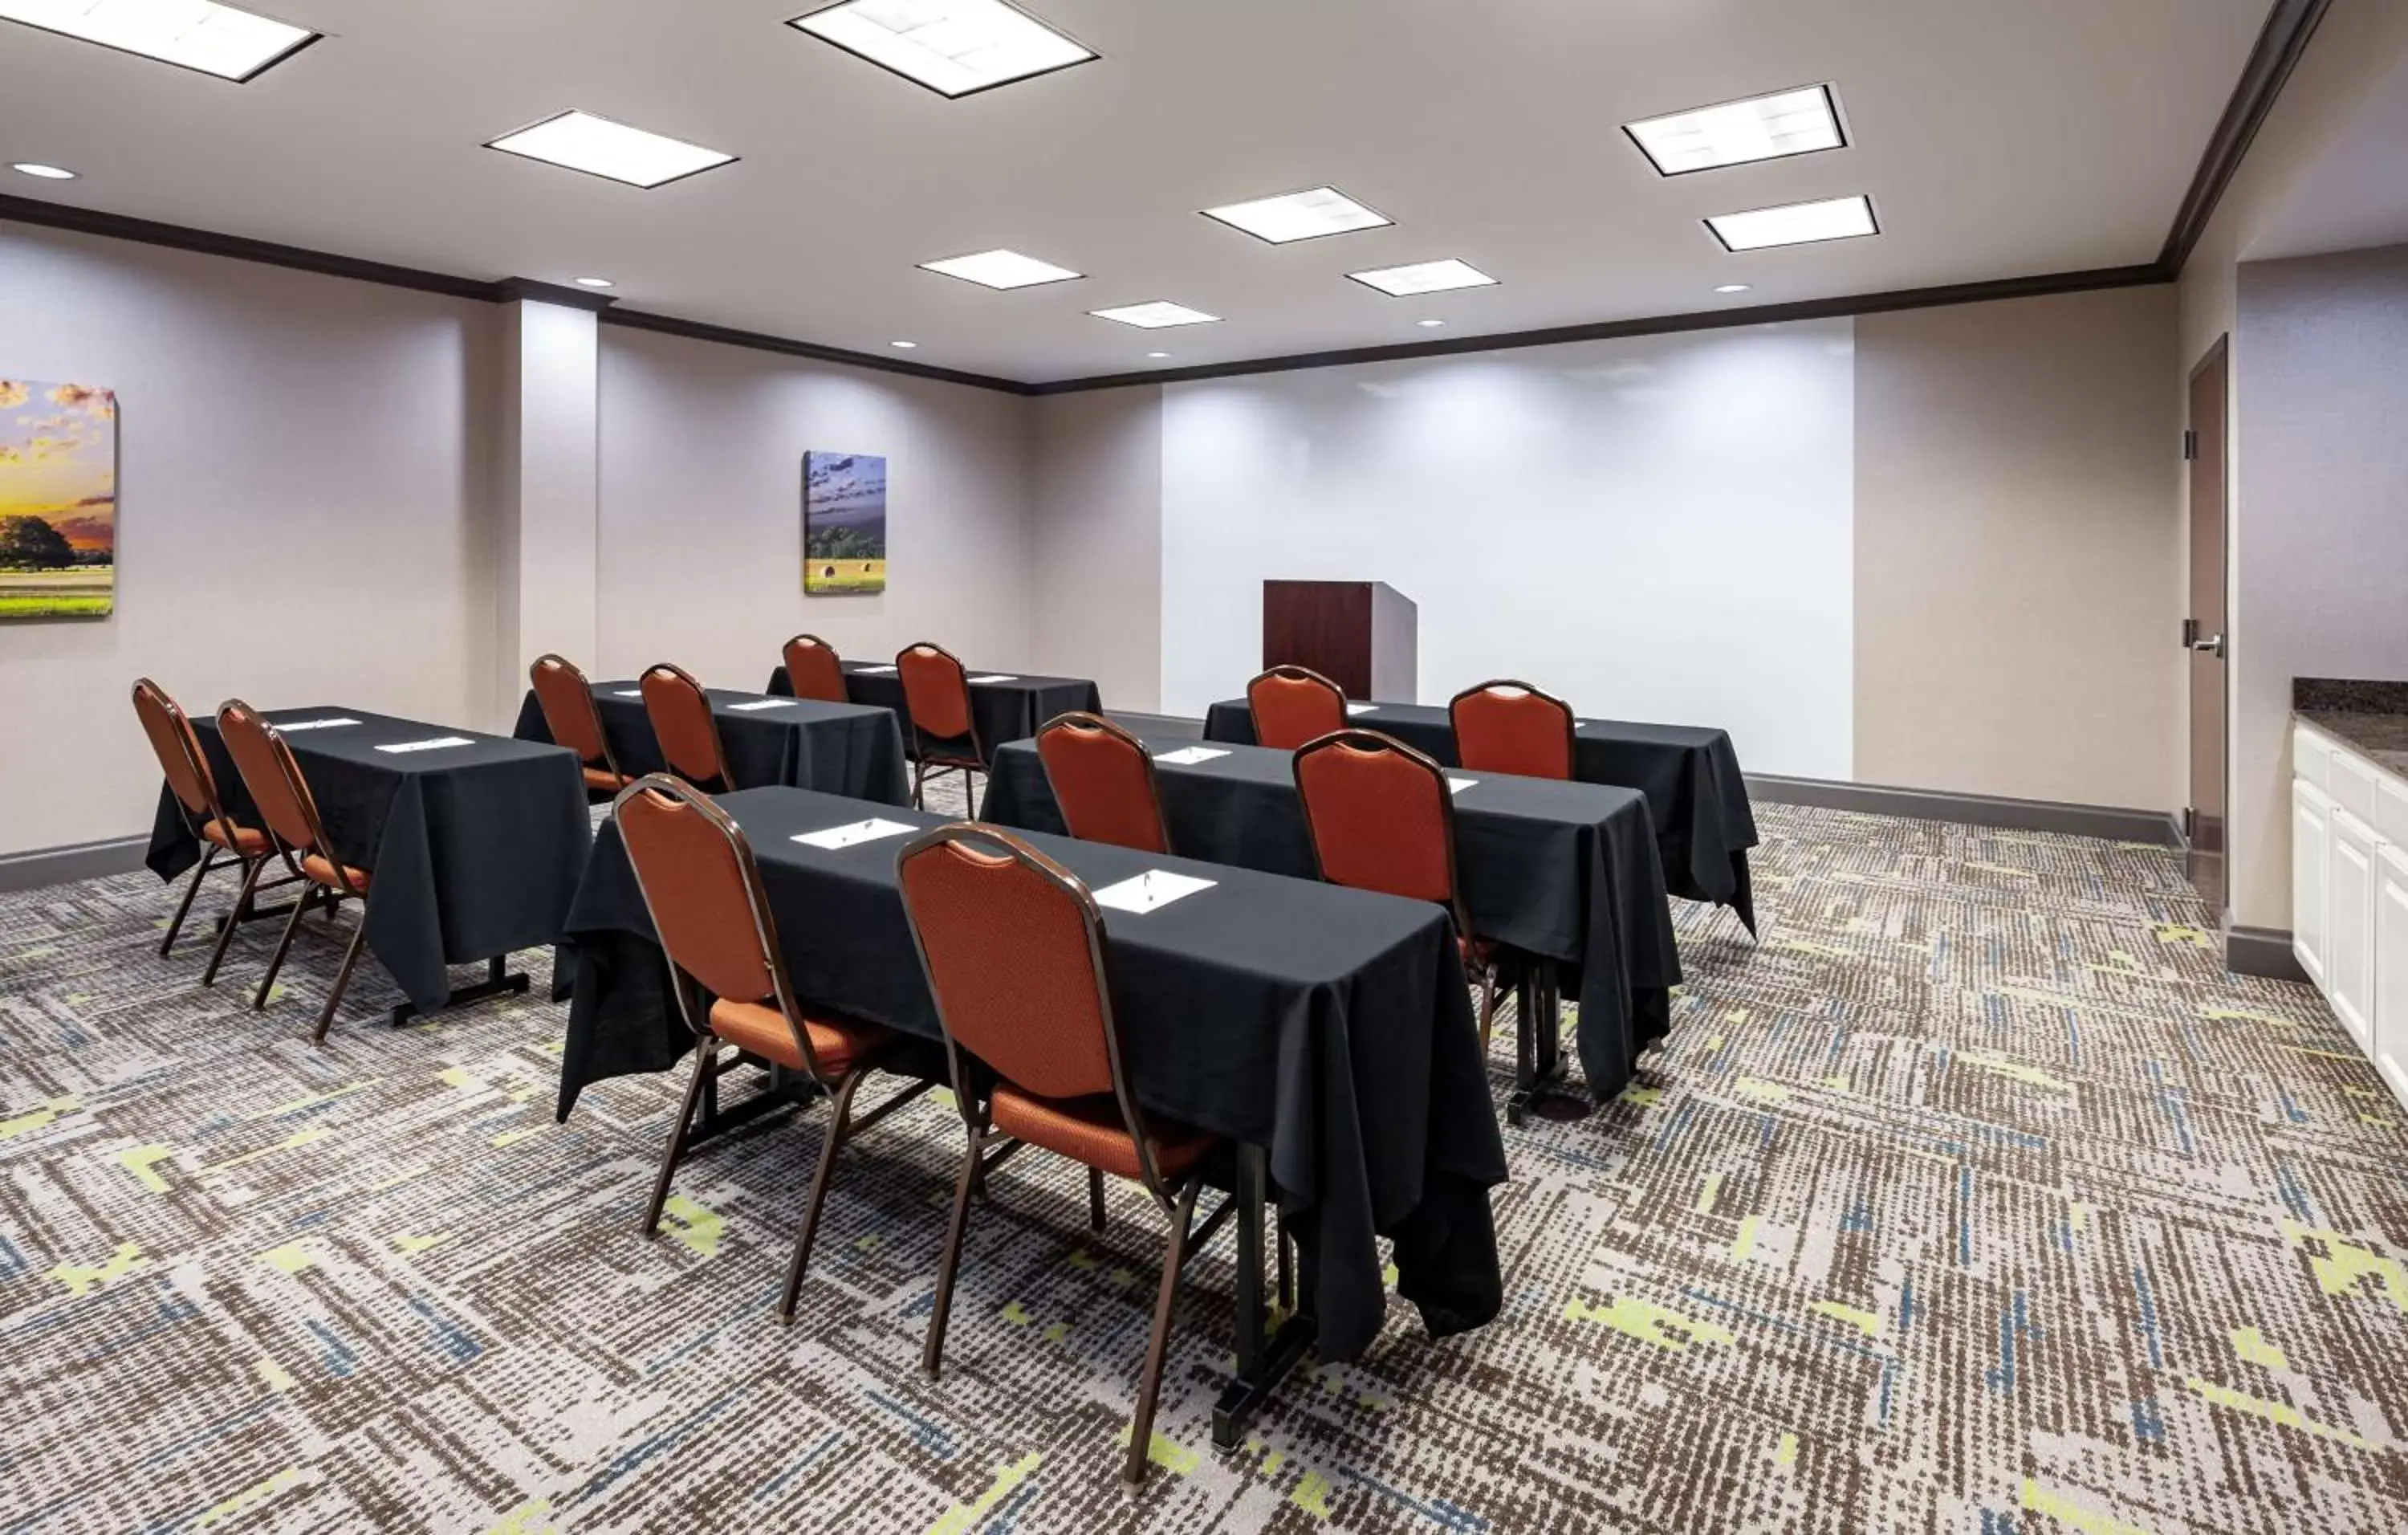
[
  {"x": 38, "y": 866},
  {"x": 2105, "y": 821},
  {"x": 2262, "y": 952},
  {"x": 1174, "y": 727}
]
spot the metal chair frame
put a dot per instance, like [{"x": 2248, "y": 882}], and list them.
[
  {"x": 718, "y": 746},
  {"x": 925, "y": 763},
  {"x": 246, "y": 907},
  {"x": 786, "y": 653},
  {"x": 1081, "y": 719},
  {"x": 1292, "y": 674},
  {"x": 1571, "y": 721},
  {"x": 601, "y": 731}
]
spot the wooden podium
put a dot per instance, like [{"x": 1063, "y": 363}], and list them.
[{"x": 1359, "y": 634}]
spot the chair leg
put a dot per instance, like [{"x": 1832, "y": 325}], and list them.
[
  {"x": 1094, "y": 1198},
  {"x": 705, "y": 1057},
  {"x": 946, "y": 1266},
  {"x": 839, "y": 1120},
  {"x": 342, "y": 976},
  {"x": 1488, "y": 1005},
  {"x": 1150, "y": 1385},
  {"x": 250, "y": 872},
  {"x": 919, "y": 781},
  {"x": 200, "y": 873},
  {"x": 283, "y": 947}
]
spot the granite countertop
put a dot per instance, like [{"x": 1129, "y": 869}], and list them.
[{"x": 2369, "y": 718}]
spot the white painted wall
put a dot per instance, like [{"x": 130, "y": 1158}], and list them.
[
  {"x": 701, "y": 511},
  {"x": 302, "y": 513},
  {"x": 1096, "y": 555},
  {"x": 550, "y": 484},
  {"x": 1660, "y": 527}
]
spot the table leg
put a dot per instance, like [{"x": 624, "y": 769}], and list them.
[
  {"x": 500, "y": 980},
  {"x": 1537, "y": 1038},
  {"x": 783, "y": 1090},
  {"x": 1263, "y": 1362}
]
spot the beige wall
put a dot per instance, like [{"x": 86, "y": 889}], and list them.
[
  {"x": 1096, "y": 547},
  {"x": 2017, "y": 579},
  {"x": 303, "y": 518}
]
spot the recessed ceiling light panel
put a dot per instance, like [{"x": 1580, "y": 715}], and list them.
[
  {"x": 1000, "y": 269},
  {"x": 47, "y": 173},
  {"x": 1424, "y": 277},
  {"x": 1770, "y": 127},
  {"x": 952, "y": 47},
  {"x": 219, "y": 40},
  {"x": 1298, "y": 215},
  {"x": 1795, "y": 224},
  {"x": 593, "y": 282},
  {"x": 599, "y": 147},
  {"x": 1731, "y": 288},
  {"x": 1157, "y": 315}
]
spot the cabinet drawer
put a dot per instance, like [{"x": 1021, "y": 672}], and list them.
[
  {"x": 2351, "y": 782},
  {"x": 2310, "y": 752},
  {"x": 2391, "y": 809}
]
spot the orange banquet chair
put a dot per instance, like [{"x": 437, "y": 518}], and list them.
[
  {"x": 813, "y": 669},
  {"x": 1014, "y": 950},
  {"x": 566, "y": 699},
  {"x": 1292, "y": 705},
  {"x": 1103, "y": 781},
  {"x": 937, "y": 695},
  {"x": 195, "y": 788},
  {"x": 686, "y": 728},
  {"x": 1381, "y": 817},
  {"x": 285, "y": 803},
  {"x": 1506, "y": 726},
  {"x": 703, "y": 889}
]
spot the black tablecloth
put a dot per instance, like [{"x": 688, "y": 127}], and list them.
[
  {"x": 840, "y": 749},
  {"x": 1008, "y": 710},
  {"x": 1565, "y": 871},
  {"x": 474, "y": 850},
  {"x": 1330, "y": 1027},
  {"x": 1690, "y": 774}
]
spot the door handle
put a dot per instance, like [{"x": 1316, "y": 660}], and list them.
[{"x": 2211, "y": 645}]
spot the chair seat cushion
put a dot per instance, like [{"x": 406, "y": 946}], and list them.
[
  {"x": 1090, "y": 1130},
  {"x": 840, "y": 1043},
  {"x": 242, "y": 841},
  {"x": 353, "y": 880},
  {"x": 606, "y": 780}
]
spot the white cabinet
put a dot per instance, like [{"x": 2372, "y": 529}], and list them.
[
  {"x": 2311, "y": 851},
  {"x": 2390, "y": 1046},
  {"x": 2349, "y": 920}
]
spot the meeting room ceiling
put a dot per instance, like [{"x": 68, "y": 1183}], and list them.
[{"x": 1996, "y": 140}]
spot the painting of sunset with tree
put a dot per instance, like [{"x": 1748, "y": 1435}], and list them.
[{"x": 58, "y": 500}]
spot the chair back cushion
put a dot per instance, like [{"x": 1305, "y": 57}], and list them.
[
  {"x": 813, "y": 670},
  {"x": 1512, "y": 728},
  {"x": 1103, "y": 781},
  {"x": 178, "y": 749},
  {"x": 1292, "y": 706},
  {"x": 1379, "y": 816},
  {"x": 936, "y": 692},
  {"x": 1005, "y": 934},
  {"x": 684, "y": 727},
  {"x": 567, "y": 700},
  {"x": 696, "y": 873},
  {"x": 272, "y": 777}
]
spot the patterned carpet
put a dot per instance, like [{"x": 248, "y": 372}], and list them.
[{"x": 1977, "y": 1199}]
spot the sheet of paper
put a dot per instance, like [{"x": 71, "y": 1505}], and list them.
[
  {"x": 431, "y": 743},
  {"x": 1360, "y": 708},
  {"x": 1150, "y": 891},
  {"x": 751, "y": 705},
  {"x": 1189, "y": 757},
  {"x": 873, "y": 671},
  {"x": 1456, "y": 785},
  {"x": 996, "y": 677},
  {"x": 853, "y": 833},
  {"x": 287, "y": 726}
]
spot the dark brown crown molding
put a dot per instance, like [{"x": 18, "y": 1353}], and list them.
[
  {"x": 511, "y": 288},
  {"x": 694, "y": 330},
  {"x": 2280, "y": 43}
]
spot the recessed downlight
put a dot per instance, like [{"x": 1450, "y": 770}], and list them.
[
  {"x": 1429, "y": 324},
  {"x": 952, "y": 47},
  {"x": 1299, "y": 216},
  {"x": 47, "y": 173},
  {"x": 593, "y": 283},
  {"x": 1731, "y": 288},
  {"x": 1157, "y": 315},
  {"x": 1737, "y": 132},
  {"x": 1000, "y": 269},
  {"x": 1157, "y": 355},
  {"x": 1795, "y": 224},
  {"x": 579, "y": 140},
  {"x": 1424, "y": 277},
  {"x": 903, "y": 346},
  {"x": 220, "y": 40}
]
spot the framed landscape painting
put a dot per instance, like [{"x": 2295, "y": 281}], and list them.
[
  {"x": 844, "y": 524},
  {"x": 58, "y": 500}
]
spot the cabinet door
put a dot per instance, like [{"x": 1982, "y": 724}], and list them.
[
  {"x": 2311, "y": 851},
  {"x": 2349, "y": 925},
  {"x": 2390, "y": 1018}
]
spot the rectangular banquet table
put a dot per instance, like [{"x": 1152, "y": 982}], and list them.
[
  {"x": 1563, "y": 872},
  {"x": 1007, "y": 709},
  {"x": 475, "y": 851},
  {"x": 1690, "y": 774},
  {"x": 1331, "y": 1029},
  {"x": 844, "y": 749}
]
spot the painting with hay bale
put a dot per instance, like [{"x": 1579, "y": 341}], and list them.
[
  {"x": 58, "y": 500},
  {"x": 844, "y": 524}
]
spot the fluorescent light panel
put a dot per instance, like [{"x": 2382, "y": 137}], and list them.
[
  {"x": 599, "y": 147},
  {"x": 1000, "y": 269},
  {"x": 1423, "y": 277},
  {"x": 1772, "y": 127},
  {"x": 1299, "y": 216},
  {"x": 1157, "y": 315},
  {"x": 952, "y": 47},
  {"x": 1795, "y": 224},
  {"x": 219, "y": 40}
]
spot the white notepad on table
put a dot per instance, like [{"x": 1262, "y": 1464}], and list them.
[
  {"x": 316, "y": 724},
  {"x": 853, "y": 833},
  {"x": 1456, "y": 785},
  {"x": 995, "y": 677},
  {"x": 431, "y": 743},
  {"x": 751, "y": 705},
  {"x": 1189, "y": 757},
  {"x": 1360, "y": 708},
  {"x": 872, "y": 671},
  {"x": 1150, "y": 891}
]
